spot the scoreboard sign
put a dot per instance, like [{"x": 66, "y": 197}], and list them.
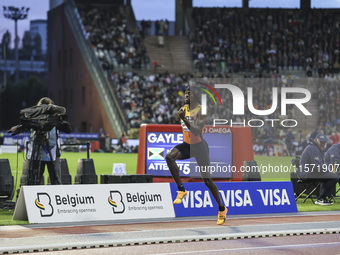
[
  {"x": 158, "y": 144},
  {"x": 229, "y": 147}
]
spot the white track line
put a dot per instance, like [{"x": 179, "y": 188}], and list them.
[
  {"x": 255, "y": 248},
  {"x": 178, "y": 219}
]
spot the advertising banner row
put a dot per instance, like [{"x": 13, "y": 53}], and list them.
[
  {"x": 71, "y": 203},
  {"x": 22, "y": 138}
]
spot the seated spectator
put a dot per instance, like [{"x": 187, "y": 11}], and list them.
[
  {"x": 335, "y": 138},
  {"x": 312, "y": 166},
  {"x": 332, "y": 159},
  {"x": 122, "y": 145},
  {"x": 290, "y": 137}
]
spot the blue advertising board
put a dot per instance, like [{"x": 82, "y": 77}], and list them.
[
  {"x": 238, "y": 197},
  {"x": 159, "y": 143},
  {"x": 22, "y": 138}
]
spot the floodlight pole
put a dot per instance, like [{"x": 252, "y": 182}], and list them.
[
  {"x": 16, "y": 14},
  {"x": 16, "y": 51}
]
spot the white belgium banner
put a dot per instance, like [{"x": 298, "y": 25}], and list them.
[{"x": 92, "y": 202}]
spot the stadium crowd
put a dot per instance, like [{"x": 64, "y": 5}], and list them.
[
  {"x": 115, "y": 46},
  {"x": 233, "y": 40},
  {"x": 153, "y": 98},
  {"x": 225, "y": 41},
  {"x": 328, "y": 98},
  {"x": 156, "y": 98}
]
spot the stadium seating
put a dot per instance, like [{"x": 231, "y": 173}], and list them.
[
  {"x": 114, "y": 44},
  {"x": 153, "y": 98},
  {"x": 328, "y": 97},
  {"x": 224, "y": 41},
  {"x": 236, "y": 40}
]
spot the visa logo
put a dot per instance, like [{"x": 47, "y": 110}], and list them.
[
  {"x": 236, "y": 198},
  {"x": 199, "y": 199},
  {"x": 196, "y": 199},
  {"x": 274, "y": 197}
]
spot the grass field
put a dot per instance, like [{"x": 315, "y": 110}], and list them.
[
  {"x": 271, "y": 168},
  {"x": 103, "y": 162}
]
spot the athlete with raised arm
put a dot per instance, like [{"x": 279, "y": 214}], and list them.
[{"x": 194, "y": 145}]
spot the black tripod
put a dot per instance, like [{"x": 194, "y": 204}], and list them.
[{"x": 34, "y": 176}]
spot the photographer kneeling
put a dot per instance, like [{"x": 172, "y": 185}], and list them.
[
  {"x": 312, "y": 166},
  {"x": 44, "y": 122}
]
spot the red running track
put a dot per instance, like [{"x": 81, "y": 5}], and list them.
[{"x": 305, "y": 244}]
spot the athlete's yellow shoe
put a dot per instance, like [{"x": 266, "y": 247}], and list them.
[
  {"x": 222, "y": 215},
  {"x": 180, "y": 196}
]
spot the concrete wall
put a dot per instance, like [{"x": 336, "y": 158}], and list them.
[
  {"x": 55, "y": 3},
  {"x": 69, "y": 81}
]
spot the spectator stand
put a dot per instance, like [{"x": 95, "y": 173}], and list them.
[
  {"x": 114, "y": 44},
  {"x": 233, "y": 40}
]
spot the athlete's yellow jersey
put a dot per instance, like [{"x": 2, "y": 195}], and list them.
[{"x": 191, "y": 116}]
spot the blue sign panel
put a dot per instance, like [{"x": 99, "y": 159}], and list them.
[
  {"x": 22, "y": 138},
  {"x": 159, "y": 143},
  {"x": 238, "y": 197}
]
